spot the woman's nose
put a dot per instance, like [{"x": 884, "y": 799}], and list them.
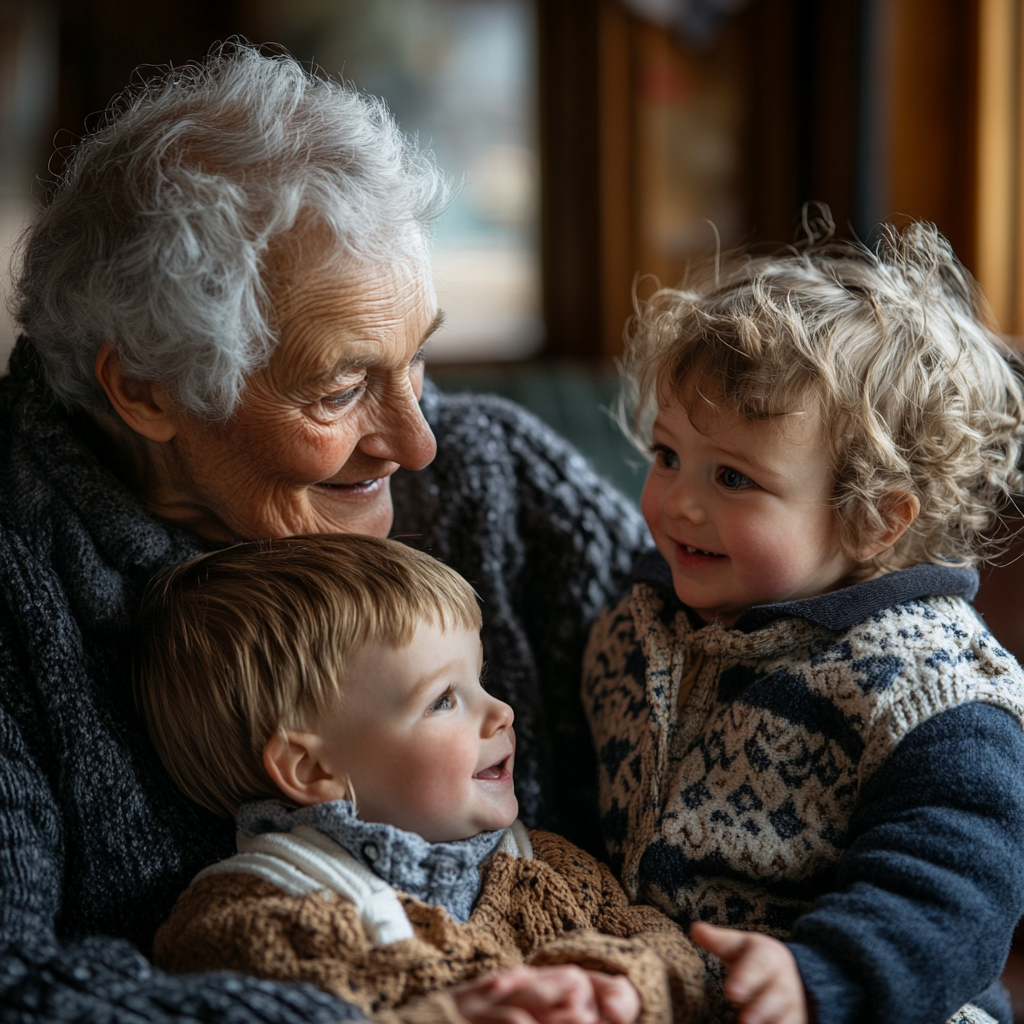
[{"x": 400, "y": 433}]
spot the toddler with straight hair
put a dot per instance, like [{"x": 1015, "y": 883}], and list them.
[
  {"x": 810, "y": 746},
  {"x": 326, "y": 691}
]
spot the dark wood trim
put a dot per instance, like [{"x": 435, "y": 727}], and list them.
[
  {"x": 568, "y": 67},
  {"x": 619, "y": 206},
  {"x": 803, "y": 112}
]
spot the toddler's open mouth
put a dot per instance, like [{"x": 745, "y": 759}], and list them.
[
  {"x": 496, "y": 771},
  {"x": 690, "y": 550}
]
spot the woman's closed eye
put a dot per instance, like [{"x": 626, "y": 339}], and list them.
[
  {"x": 733, "y": 480},
  {"x": 343, "y": 398}
]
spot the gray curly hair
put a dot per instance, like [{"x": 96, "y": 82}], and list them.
[
  {"x": 889, "y": 347},
  {"x": 156, "y": 237}
]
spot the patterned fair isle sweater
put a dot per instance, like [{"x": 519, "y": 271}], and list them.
[
  {"x": 844, "y": 772},
  {"x": 95, "y": 840},
  {"x": 388, "y": 922}
]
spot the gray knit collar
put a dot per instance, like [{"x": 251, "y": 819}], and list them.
[
  {"x": 447, "y": 874},
  {"x": 838, "y": 609}
]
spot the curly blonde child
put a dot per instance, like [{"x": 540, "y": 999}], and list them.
[
  {"x": 810, "y": 746},
  {"x": 888, "y": 347}
]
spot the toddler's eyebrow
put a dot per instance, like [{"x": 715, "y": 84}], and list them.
[
  {"x": 746, "y": 457},
  {"x": 425, "y": 682}
]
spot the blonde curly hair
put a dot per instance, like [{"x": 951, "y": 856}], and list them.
[{"x": 889, "y": 347}]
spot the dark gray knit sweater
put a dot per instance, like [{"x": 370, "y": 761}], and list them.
[{"x": 95, "y": 841}]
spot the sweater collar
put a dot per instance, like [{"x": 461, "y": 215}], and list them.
[
  {"x": 447, "y": 874},
  {"x": 838, "y": 609},
  {"x": 70, "y": 508}
]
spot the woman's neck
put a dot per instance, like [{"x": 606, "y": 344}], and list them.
[{"x": 154, "y": 474}]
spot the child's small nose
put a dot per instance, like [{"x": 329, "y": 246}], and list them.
[
  {"x": 681, "y": 504},
  {"x": 501, "y": 715}
]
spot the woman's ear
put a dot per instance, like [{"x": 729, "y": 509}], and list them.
[
  {"x": 899, "y": 510},
  {"x": 146, "y": 407},
  {"x": 291, "y": 762}
]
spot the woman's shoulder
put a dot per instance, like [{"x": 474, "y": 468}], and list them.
[
  {"x": 492, "y": 428},
  {"x": 498, "y": 459},
  {"x": 65, "y": 513}
]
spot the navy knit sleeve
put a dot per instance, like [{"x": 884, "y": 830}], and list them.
[
  {"x": 928, "y": 894},
  {"x": 96, "y": 979}
]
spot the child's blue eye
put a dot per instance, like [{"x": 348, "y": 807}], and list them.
[
  {"x": 665, "y": 457},
  {"x": 443, "y": 703},
  {"x": 734, "y": 480}
]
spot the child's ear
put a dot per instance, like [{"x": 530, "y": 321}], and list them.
[
  {"x": 291, "y": 762},
  {"x": 899, "y": 510}
]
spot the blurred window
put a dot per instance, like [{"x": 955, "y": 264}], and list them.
[
  {"x": 690, "y": 119},
  {"x": 461, "y": 75}
]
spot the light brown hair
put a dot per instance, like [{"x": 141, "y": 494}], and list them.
[
  {"x": 889, "y": 348},
  {"x": 237, "y": 644}
]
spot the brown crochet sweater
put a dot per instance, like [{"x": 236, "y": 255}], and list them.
[{"x": 560, "y": 907}]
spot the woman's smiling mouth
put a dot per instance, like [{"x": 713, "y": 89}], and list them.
[{"x": 359, "y": 487}]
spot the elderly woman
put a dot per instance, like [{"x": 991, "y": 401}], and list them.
[{"x": 225, "y": 311}]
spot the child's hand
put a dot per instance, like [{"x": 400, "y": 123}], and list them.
[
  {"x": 563, "y": 994},
  {"x": 763, "y": 981},
  {"x": 617, "y": 998}
]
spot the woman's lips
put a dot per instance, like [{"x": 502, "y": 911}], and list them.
[{"x": 357, "y": 489}]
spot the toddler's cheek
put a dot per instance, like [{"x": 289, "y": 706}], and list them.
[
  {"x": 767, "y": 560},
  {"x": 437, "y": 783}
]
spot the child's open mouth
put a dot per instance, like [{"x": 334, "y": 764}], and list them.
[
  {"x": 690, "y": 550},
  {"x": 496, "y": 771}
]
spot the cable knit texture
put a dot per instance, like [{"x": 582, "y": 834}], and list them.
[
  {"x": 735, "y": 763},
  {"x": 560, "y": 907},
  {"x": 95, "y": 841}
]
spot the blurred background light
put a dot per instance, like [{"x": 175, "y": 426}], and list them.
[{"x": 461, "y": 75}]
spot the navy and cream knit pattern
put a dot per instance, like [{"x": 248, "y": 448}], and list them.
[
  {"x": 845, "y": 772},
  {"x": 96, "y": 842},
  {"x": 735, "y": 806}
]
